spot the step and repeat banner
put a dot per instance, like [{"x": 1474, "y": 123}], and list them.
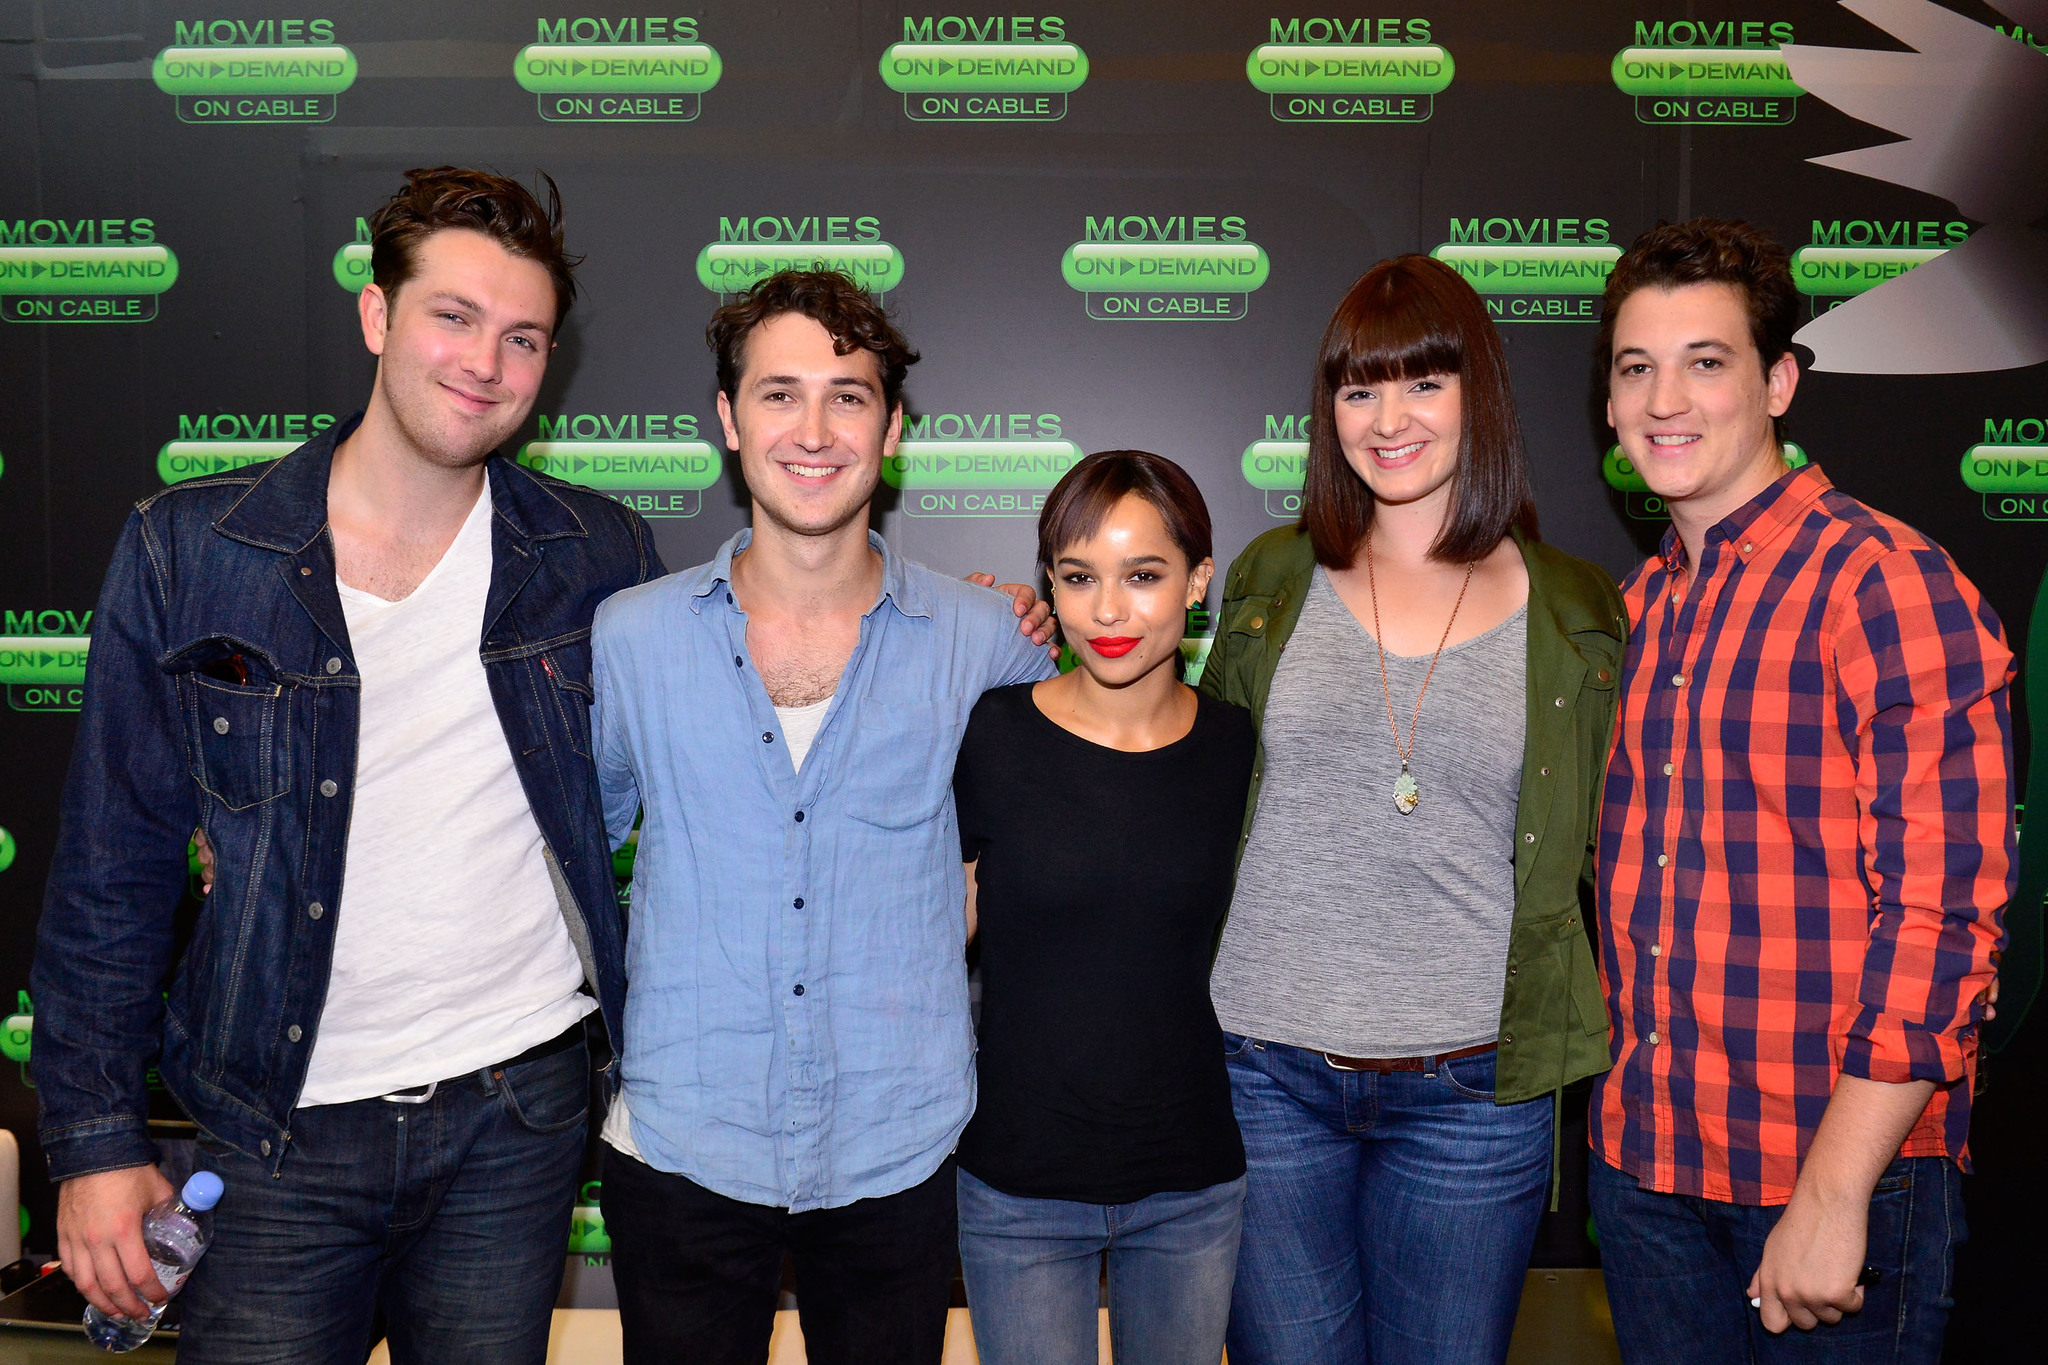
[{"x": 1117, "y": 224}]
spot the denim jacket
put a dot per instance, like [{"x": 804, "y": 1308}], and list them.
[{"x": 172, "y": 737}]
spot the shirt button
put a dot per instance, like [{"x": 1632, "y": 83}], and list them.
[
  {"x": 1663, "y": 860},
  {"x": 334, "y": 665},
  {"x": 1667, "y": 770},
  {"x": 799, "y": 817},
  {"x": 1656, "y": 950},
  {"x": 728, "y": 599},
  {"x": 1748, "y": 546},
  {"x": 1678, "y": 679},
  {"x": 295, "y": 1033},
  {"x": 767, "y": 736},
  {"x": 799, "y": 988},
  {"x": 798, "y": 902},
  {"x": 738, "y": 662},
  {"x": 315, "y": 910},
  {"x": 1653, "y": 1039},
  {"x": 220, "y": 725},
  {"x": 328, "y": 788}
]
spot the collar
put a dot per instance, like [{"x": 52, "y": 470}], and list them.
[
  {"x": 898, "y": 586},
  {"x": 286, "y": 508},
  {"x": 1752, "y": 527}
]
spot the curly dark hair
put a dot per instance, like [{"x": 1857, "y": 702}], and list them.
[
  {"x": 502, "y": 209},
  {"x": 1710, "y": 251},
  {"x": 847, "y": 312}
]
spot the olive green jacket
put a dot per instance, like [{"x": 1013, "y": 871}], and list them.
[{"x": 1553, "y": 1018}]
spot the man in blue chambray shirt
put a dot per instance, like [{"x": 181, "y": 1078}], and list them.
[{"x": 799, "y": 1058}]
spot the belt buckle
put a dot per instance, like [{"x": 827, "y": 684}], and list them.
[
  {"x": 396, "y": 1097},
  {"x": 1330, "y": 1060}
]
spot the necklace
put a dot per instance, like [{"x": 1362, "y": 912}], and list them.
[{"x": 1407, "y": 795}]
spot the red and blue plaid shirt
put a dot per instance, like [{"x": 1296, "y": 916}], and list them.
[{"x": 1806, "y": 841}]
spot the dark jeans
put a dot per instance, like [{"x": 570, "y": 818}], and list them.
[
  {"x": 1678, "y": 1270},
  {"x": 697, "y": 1273},
  {"x": 450, "y": 1217},
  {"x": 1387, "y": 1218}
]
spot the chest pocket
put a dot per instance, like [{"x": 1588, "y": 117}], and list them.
[
  {"x": 567, "y": 665},
  {"x": 241, "y": 751},
  {"x": 901, "y": 764}
]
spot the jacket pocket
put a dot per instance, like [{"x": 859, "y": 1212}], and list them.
[
  {"x": 568, "y": 669},
  {"x": 240, "y": 750}
]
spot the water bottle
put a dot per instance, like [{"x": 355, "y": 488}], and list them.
[{"x": 174, "y": 1233}]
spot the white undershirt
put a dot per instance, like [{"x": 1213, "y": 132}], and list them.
[
  {"x": 800, "y": 726},
  {"x": 450, "y": 952}
]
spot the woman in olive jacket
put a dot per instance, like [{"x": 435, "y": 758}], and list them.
[{"x": 1406, "y": 981}]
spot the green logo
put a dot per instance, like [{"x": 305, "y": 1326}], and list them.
[
  {"x": 1278, "y": 465},
  {"x": 42, "y": 659},
  {"x": 254, "y": 70},
  {"x": 1185, "y": 268},
  {"x": 228, "y": 441},
  {"x": 1350, "y": 71},
  {"x": 352, "y": 260},
  {"x": 85, "y": 270},
  {"x": 19, "y": 1031},
  {"x": 1533, "y": 269},
  {"x": 1850, "y": 256},
  {"x": 651, "y": 462},
  {"x": 630, "y": 70},
  {"x": 991, "y": 464},
  {"x": 1708, "y": 71},
  {"x": 1637, "y": 499},
  {"x": 2009, "y": 468},
  {"x": 750, "y": 249},
  {"x": 6, "y": 848},
  {"x": 999, "y": 69}
]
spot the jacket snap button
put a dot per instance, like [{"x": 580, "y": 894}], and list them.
[
  {"x": 1605, "y": 676},
  {"x": 220, "y": 725},
  {"x": 315, "y": 910},
  {"x": 295, "y": 1033},
  {"x": 1258, "y": 621},
  {"x": 1546, "y": 772},
  {"x": 1528, "y": 838},
  {"x": 305, "y": 572},
  {"x": 328, "y": 788},
  {"x": 334, "y": 666},
  {"x": 264, "y": 1146},
  {"x": 1560, "y": 701}
]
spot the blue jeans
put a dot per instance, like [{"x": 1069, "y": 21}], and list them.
[
  {"x": 450, "y": 1217},
  {"x": 1032, "y": 1268},
  {"x": 1387, "y": 1218},
  {"x": 1678, "y": 1270}
]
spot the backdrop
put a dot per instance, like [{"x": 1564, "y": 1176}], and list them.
[{"x": 1116, "y": 225}]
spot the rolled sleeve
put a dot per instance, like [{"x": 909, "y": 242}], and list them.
[{"x": 1924, "y": 673}]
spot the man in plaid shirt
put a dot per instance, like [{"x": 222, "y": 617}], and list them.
[{"x": 1805, "y": 849}]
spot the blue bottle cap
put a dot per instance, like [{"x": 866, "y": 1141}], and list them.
[{"x": 201, "y": 1192}]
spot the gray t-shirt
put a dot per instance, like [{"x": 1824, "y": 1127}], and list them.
[{"x": 1357, "y": 929}]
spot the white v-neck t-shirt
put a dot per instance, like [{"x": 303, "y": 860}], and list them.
[{"x": 450, "y": 952}]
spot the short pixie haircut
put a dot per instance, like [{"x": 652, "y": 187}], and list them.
[
  {"x": 830, "y": 298},
  {"x": 442, "y": 197},
  {"x": 1083, "y": 497},
  {"x": 1406, "y": 318},
  {"x": 1710, "y": 251}
]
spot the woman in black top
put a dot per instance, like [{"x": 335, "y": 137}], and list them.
[{"x": 1099, "y": 815}]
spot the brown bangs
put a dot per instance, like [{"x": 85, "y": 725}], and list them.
[{"x": 1405, "y": 318}]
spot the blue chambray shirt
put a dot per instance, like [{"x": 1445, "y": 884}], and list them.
[{"x": 797, "y": 1031}]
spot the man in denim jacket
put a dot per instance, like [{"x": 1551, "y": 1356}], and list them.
[{"x": 364, "y": 673}]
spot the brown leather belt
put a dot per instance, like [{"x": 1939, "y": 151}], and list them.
[{"x": 1385, "y": 1065}]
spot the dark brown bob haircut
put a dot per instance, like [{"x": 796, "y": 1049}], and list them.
[
  {"x": 830, "y": 298},
  {"x": 503, "y": 210},
  {"x": 1075, "y": 508},
  {"x": 1406, "y": 318},
  {"x": 1710, "y": 251}
]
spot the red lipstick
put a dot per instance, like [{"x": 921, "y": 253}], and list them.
[{"x": 1112, "y": 646}]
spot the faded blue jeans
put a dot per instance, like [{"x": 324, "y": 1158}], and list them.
[
  {"x": 1033, "y": 1271},
  {"x": 1678, "y": 1270},
  {"x": 450, "y": 1217},
  {"x": 1388, "y": 1218}
]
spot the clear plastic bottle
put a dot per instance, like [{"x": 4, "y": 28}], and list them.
[{"x": 175, "y": 1234}]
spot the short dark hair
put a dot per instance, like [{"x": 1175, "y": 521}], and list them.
[
  {"x": 1085, "y": 494},
  {"x": 1407, "y": 317},
  {"x": 1710, "y": 251},
  {"x": 442, "y": 197},
  {"x": 830, "y": 298}
]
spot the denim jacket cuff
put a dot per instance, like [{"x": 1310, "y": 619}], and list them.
[{"x": 107, "y": 1144}]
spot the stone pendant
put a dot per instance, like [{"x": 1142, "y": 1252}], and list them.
[{"x": 1406, "y": 793}]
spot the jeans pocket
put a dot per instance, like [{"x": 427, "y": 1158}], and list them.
[
  {"x": 1472, "y": 1077},
  {"x": 549, "y": 1094},
  {"x": 1235, "y": 1044}
]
